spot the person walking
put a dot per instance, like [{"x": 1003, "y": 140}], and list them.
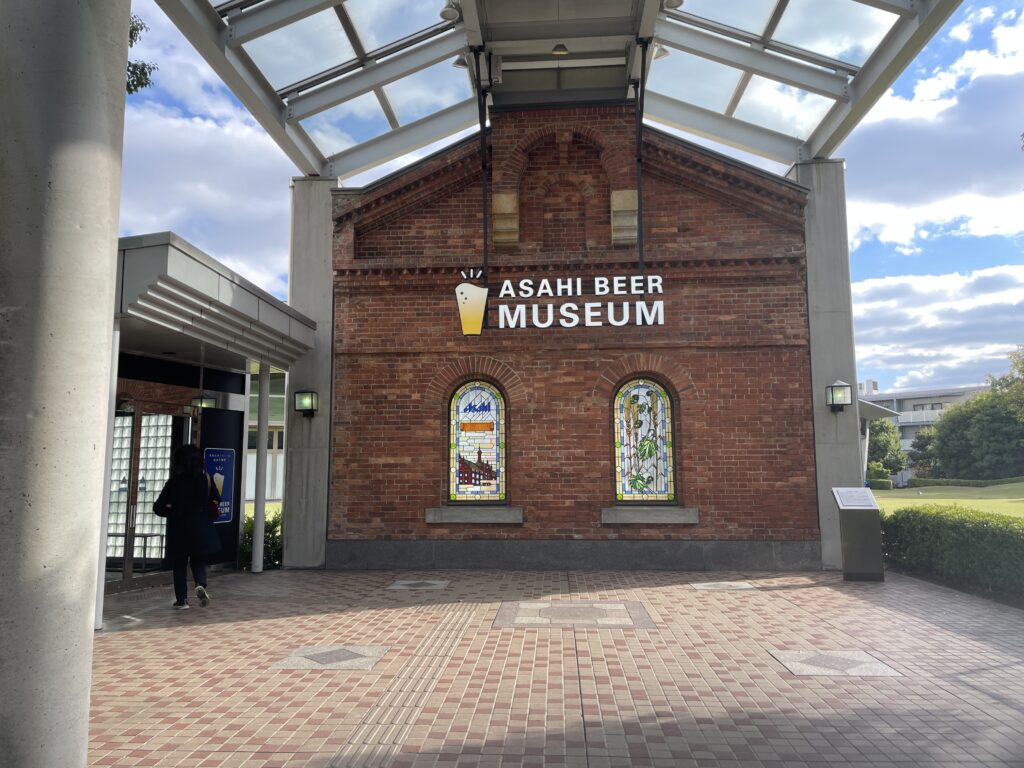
[{"x": 191, "y": 536}]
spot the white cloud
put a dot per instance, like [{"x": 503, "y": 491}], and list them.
[
  {"x": 937, "y": 93},
  {"x": 196, "y": 163},
  {"x": 963, "y": 214},
  {"x": 965, "y": 28},
  {"x": 947, "y": 160},
  {"x": 939, "y": 330}
]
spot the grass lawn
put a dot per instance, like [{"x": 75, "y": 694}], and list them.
[{"x": 1002, "y": 499}]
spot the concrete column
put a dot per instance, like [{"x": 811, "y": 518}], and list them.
[
  {"x": 830, "y": 307},
  {"x": 62, "y": 82},
  {"x": 101, "y": 570},
  {"x": 262, "y": 432},
  {"x": 308, "y": 452}
]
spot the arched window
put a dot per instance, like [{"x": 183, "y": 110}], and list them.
[
  {"x": 643, "y": 443},
  {"x": 476, "y": 457}
]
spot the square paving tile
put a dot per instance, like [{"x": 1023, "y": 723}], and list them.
[
  {"x": 419, "y": 584},
  {"x": 723, "y": 586},
  {"x": 558, "y": 614},
  {"x": 333, "y": 657},
  {"x": 834, "y": 663}
]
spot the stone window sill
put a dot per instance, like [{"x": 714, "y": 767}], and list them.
[
  {"x": 482, "y": 515},
  {"x": 625, "y": 515}
]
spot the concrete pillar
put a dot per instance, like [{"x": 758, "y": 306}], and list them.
[
  {"x": 830, "y": 307},
  {"x": 108, "y": 460},
  {"x": 308, "y": 456},
  {"x": 262, "y": 433},
  {"x": 62, "y": 83}
]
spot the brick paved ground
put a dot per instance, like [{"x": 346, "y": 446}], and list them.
[{"x": 596, "y": 669}]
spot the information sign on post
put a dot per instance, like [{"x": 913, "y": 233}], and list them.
[
  {"x": 855, "y": 498},
  {"x": 220, "y": 466},
  {"x": 860, "y": 528}
]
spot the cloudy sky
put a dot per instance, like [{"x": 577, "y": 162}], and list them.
[{"x": 935, "y": 174}]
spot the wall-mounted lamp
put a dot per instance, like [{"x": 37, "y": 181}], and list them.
[
  {"x": 306, "y": 402},
  {"x": 451, "y": 11},
  {"x": 560, "y": 50},
  {"x": 204, "y": 402},
  {"x": 838, "y": 395}
]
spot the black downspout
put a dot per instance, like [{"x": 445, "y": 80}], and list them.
[
  {"x": 640, "y": 88},
  {"x": 481, "y": 103}
]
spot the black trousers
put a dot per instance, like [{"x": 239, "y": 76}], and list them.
[{"x": 181, "y": 563}]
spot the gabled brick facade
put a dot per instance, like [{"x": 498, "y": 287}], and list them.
[{"x": 733, "y": 353}]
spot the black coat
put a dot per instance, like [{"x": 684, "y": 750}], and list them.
[{"x": 184, "y": 501}]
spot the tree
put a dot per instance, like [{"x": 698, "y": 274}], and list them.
[
  {"x": 981, "y": 439},
  {"x": 1012, "y": 384},
  {"x": 922, "y": 454},
  {"x": 884, "y": 445},
  {"x": 140, "y": 73}
]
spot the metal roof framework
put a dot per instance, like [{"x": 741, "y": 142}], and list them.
[{"x": 731, "y": 61}]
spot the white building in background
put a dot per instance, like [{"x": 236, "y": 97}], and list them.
[{"x": 917, "y": 408}]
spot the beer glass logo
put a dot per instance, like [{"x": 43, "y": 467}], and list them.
[{"x": 472, "y": 302}]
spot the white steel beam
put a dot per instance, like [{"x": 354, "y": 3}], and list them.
[
  {"x": 403, "y": 140},
  {"x": 582, "y": 45},
  {"x": 268, "y": 16},
  {"x": 374, "y": 76},
  {"x": 725, "y": 130},
  {"x": 203, "y": 28},
  {"x": 646, "y": 27},
  {"x": 899, "y": 7},
  {"x": 471, "y": 21},
  {"x": 753, "y": 60},
  {"x": 905, "y": 40}
]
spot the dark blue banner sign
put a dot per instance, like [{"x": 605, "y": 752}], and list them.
[{"x": 220, "y": 466}]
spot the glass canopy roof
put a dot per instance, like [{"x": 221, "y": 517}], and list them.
[{"x": 345, "y": 86}]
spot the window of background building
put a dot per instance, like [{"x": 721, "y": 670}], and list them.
[
  {"x": 476, "y": 444},
  {"x": 644, "y": 469}
]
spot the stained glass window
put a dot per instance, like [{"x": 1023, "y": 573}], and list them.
[
  {"x": 643, "y": 443},
  {"x": 476, "y": 455}
]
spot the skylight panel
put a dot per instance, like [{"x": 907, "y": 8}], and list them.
[
  {"x": 379, "y": 22},
  {"x": 692, "y": 79},
  {"x": 748, "y": 15},
  {"x": 346, "y": 125},
  {"x": 427, "y": 91},
  {"x": 841, "y": 29},
  {"x": 301, "y": 49},
  {"x": 782, "y": 108}
]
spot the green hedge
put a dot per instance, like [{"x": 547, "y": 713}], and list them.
[
  {"x": 976, "y": 550},
  {"x": 272, "y": 547},
  {"x": 923, "y": 482},
  {"x": 876, "y": 471},
  {"x": 880, "y": 485}
]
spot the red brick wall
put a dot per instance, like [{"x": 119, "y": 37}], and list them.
[{"x": 728, "y": 242}]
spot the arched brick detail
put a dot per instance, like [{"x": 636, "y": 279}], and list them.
[
  {"x": 616, "y": 166},
  {"x": 593, "y": 215},
  {"x": 638, "y": 364},
  {"x": 465, "y": 369}
]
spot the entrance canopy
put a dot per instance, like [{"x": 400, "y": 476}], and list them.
[
  {"x": 174, "y": 302},
  {"x": 345, "y": 85}
]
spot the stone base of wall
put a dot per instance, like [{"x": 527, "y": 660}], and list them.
[{"x": 503, "y": 554}]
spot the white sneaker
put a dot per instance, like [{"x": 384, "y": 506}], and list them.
[
  {"x": 182, "y": 606},
  {"x": 203, "y": 595}
]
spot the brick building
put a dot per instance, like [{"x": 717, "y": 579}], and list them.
[{"x": 726, "y": 245}]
